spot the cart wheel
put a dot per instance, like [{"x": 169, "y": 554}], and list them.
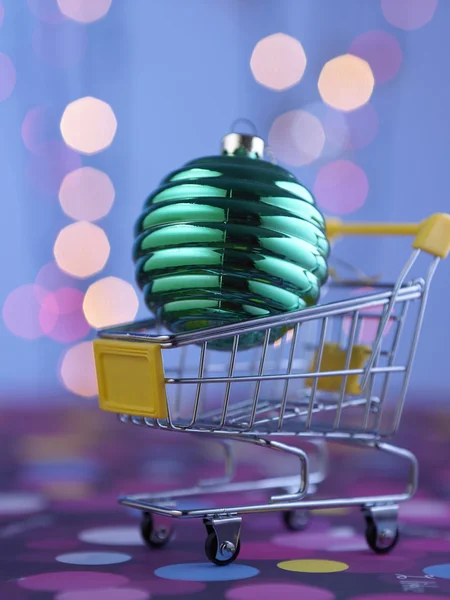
[
  {"x": 296, "y": 520},
  {"x": 229, "y": 551},
  {"x": 381, "y": 541},
  {"x": 152, "y": 536}
]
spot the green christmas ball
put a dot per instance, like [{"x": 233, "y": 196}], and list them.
[{"x": 230, "y": 238}]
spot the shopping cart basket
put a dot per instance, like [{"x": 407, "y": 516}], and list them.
[{"x": 338, "y": 373}]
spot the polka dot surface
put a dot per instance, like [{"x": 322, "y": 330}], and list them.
[
  {"x": 71, "y": 580},
  {"x": 441, "y": 571},
  {"x": 20, "y": 503},
  {"x": 206, "y": 572},
  {"x": 93, "y": 558},
  {"x": 313, "y": 566},
  {"x": 399, "y": 596},
  {"x": 115, "y": 535},
  {"x": 286, "y": 591},
  {"x": 105, "y": 594}
]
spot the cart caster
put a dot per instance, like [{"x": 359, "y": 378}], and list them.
[
  {"x": 296, "y": 520},
  {"x": 155, "y": 537},
  {"x": 382, "y": 533},
  {"x": 222, "y": 546}
]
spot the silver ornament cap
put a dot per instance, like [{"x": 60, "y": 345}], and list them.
[{"x": 252, "y": 144}]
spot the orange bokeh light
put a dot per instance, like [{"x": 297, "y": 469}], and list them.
[
  {"x": 346, "y": 82},
  {"x": 86, "y": 194},
  {"x": 278, "y": 61},
  {"x": 110, "y": 301},
  {"x": 81, "y": 249},
  {"x": 88, "y": 125},
  {"x": 78, "y": 370}
]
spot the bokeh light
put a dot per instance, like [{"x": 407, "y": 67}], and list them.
[
  {"x": 368, "y": 327},
  {"x": 47, "y": 11},
  {"x": 78, "y": 370},
  {"x": 341, "y": 187},
  {"x": 50, "y": 278},
  {"x": 50, "y": 164},
  {"x": 2, "y": 13},
  {"x": 62, "y": 317},
  {"x": 362, "y": 127},
  {"x": 21, "y": 311},
  {"x": 60, "y": 46},
  {"x": 110, "y": 301},
  {"x": 334, "y": 124},
  {"x": 39, "y": 126},
  {"x": 296, "y": 138},
  {"x": 81, "y": 249},
  {"x": 382, "y": 51},
  {"x": 86, "y": 194},
  {"x": 7, "y": 77},
  {"x": 88, "y": 125},
  {"x": 278, "y": 61},
  {"x": 346, "y": 82},
  {"x": 408, "y": 14},
  {"x": 84, "y": 11}
]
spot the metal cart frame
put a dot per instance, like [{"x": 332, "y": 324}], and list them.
[{"x": 343, "y": 377}]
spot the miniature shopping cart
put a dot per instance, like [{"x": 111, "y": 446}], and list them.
[{"x": 337, "y": 373}]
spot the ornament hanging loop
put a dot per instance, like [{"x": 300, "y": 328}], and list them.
[{"x": 250, "y": 124}]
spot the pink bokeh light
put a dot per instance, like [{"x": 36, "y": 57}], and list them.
[
  {"x": 7, "y": 77},
  {"x": 86, "y": 194},
  {"x": 39, "y": 125},
  {"x": 78, "y": 370},
  {"x": 47, "y": 11},
  {"x": 21, "y": 311},
  {"x": 278, "y": 61},
  {"x": 362, "y": 127},
  {"x": 408, "y": 14},
  {"x": 334, "y": 125},
  {"x": 382, "y": 51},
  {"x": 297, "y": 137},
  {"x": 368, "y": 326},
  {"x": 51, "y": 278},
  {"x": 51, "y": 163},
  {"x": 62, "y": 317},
  {"x": 2, "y": 13},
  {"x": 341, "y": 187},
  {"x": 85, "y": 11},
  {"x": 60, "y": 46}
]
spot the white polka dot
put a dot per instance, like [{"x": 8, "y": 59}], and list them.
[
  {"x": 343, "y": 532},
  {"x": 421, "y": 507},
  {"x": 93, "y": 558},
  {"x": 113, "y": 536},
  {"x": 356, "y": 544},
  {"x": 20, "y": 503}
]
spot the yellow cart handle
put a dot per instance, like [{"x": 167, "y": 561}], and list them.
[{"x": 431, "y": 235}]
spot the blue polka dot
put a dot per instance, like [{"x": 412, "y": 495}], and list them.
[
  {"x": 93, "y": 558},
  {"x": 206, "y": 572},
  {"x": 442, "y": 571}
]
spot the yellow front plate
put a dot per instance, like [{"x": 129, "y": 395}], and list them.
[
  {"x": 333, "y": 359},
  {"x": 130, "y": 378}
]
